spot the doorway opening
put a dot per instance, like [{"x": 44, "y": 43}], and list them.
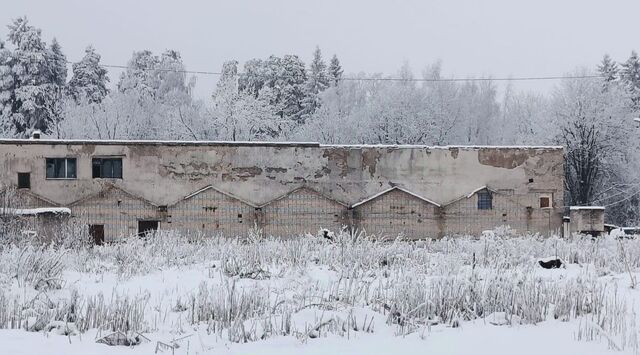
[
  {"x": 147, "y": 227},
  {"x": 96, "y": 231}
]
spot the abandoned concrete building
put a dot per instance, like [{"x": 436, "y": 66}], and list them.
[{"x": 122, "y": 188}]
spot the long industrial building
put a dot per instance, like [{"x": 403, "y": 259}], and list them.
[{"x": 122, "y": 188}]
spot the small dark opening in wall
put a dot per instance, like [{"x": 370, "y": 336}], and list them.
[
  {"x": 531, "y": 180},
  {"x": 162, "y": 208},
  {"x": 96, "y": 231},
  {"x": 24, "y": 180},
  {"x": 239, "y": 215},
  {"x": 545, "y": 202}
]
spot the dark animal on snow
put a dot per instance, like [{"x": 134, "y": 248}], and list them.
[{"x": 551, "y": 264}]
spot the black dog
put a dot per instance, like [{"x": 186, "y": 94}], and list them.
[{"x": 551, "y": 264}]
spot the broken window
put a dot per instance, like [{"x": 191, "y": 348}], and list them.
[
  {"x": 110, "y": 168},
  {"x": 61, "y": 168},
  {"x": 485, "y": 200},
  {"x": 24, "y": 180}
]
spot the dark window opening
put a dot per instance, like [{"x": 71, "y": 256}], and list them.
[
  {"x": 531, "y": 180},
  {"x": 147, "y": 227},
  {"x": 545, "y": 202},
  {"x": 96, "y": 231},
  {"x": 485, "y": 200},
  {"x": 61, "y": 168},
  {"x": 24, "y": 180},
  {"x": 110, "y": 168}
]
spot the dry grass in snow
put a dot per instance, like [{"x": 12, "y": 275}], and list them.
[{"x": 204, "y": 295}]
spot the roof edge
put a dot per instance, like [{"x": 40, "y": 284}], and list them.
[{"x": 47, "y": 141}]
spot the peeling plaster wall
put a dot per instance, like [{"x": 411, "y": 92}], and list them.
[{"x": 165, "y": 172}]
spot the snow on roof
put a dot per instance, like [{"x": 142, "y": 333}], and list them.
[
  {"x": 254, "y": 143},
  {"x": 302, "y": 188},
  {"x": 35, "y": 211},
  {"x": 391, "y": 189},
  {"x": 574, "y": 208},
  {"x": 485, "y": 187},
  {"x": 215, "y": 189}
]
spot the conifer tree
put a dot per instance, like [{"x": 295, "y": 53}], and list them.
[
  {"x": 89, "y": 79},
  {"x": 608, "y": 69},
  {"x": 630, "y": 75},
  {"x": 31, "y": 70},
  {"x": 335, "y": 71}
]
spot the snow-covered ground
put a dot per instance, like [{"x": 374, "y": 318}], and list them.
[{"x": 486, "y": 295}]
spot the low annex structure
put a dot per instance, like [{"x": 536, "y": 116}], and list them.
[{"x": 122, "y": 188}]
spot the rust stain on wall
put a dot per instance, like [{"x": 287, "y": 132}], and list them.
[
  {"x": 245, "y": 173},
  {"x": 505, "y": 158},
  {"x": 271, "y": 169},
  {"x": 338, "y": 158},
  {"x": 370, "y": 159},
  {"x": 454, "y": 152},
  {"x": 321, "y": 172}
]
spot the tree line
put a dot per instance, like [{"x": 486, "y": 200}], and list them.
[{"x": 282, "y": 98}]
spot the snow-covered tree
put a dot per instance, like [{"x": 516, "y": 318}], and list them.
[
  {"x": 57, "y": 79},
  {"x": 630, "y": 75},
  {"x": 7, "y": 91},
  {"x": 89, "y": 79},
  {"x": 280, "y": 81},
  {"x": 334, "y": 71},
  {"x": 239, "y": 115},
  {"x": 592, "y": 126},
  {"x": 33, "y": 76},
  {"x": 140, "y": 76},
  {"x": 608, "y": 69}
]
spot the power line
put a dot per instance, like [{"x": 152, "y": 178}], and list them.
[{"x": 525, "y": 78}]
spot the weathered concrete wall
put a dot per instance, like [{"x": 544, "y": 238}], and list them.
[{"x": 163, "y": 173}]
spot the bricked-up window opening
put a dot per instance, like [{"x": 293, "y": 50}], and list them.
[
  {"x": 24, "y": 180},
  {"x": 61, "y": 168},
  {"x": 545, "y": 202},
  {"x": 485, "y": 200},
  {"x": 96, "y": 231},
  {"x": 110, "y": 168}
]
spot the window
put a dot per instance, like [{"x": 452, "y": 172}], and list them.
[
  {"x": 61, "y": 168},
  {"x": 485, "y": 200},
  {"x": 24, "y": 180},
  {"x": 107, "y": 168},
  {"x": 545, "y": 202}
]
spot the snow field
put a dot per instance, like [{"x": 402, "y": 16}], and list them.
[{"x": 242, "y": 295}]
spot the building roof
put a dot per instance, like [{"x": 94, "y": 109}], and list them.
[
  {"x": 35, "y": 211},
  {"x": 47, "y": 141},
  {"x": 304, "y": 187},
  {"x": 211, "y": 187},
  {"x": 391, "y": 189}
]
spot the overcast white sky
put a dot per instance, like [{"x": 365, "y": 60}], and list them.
[{"x": 472, "y": 38}]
